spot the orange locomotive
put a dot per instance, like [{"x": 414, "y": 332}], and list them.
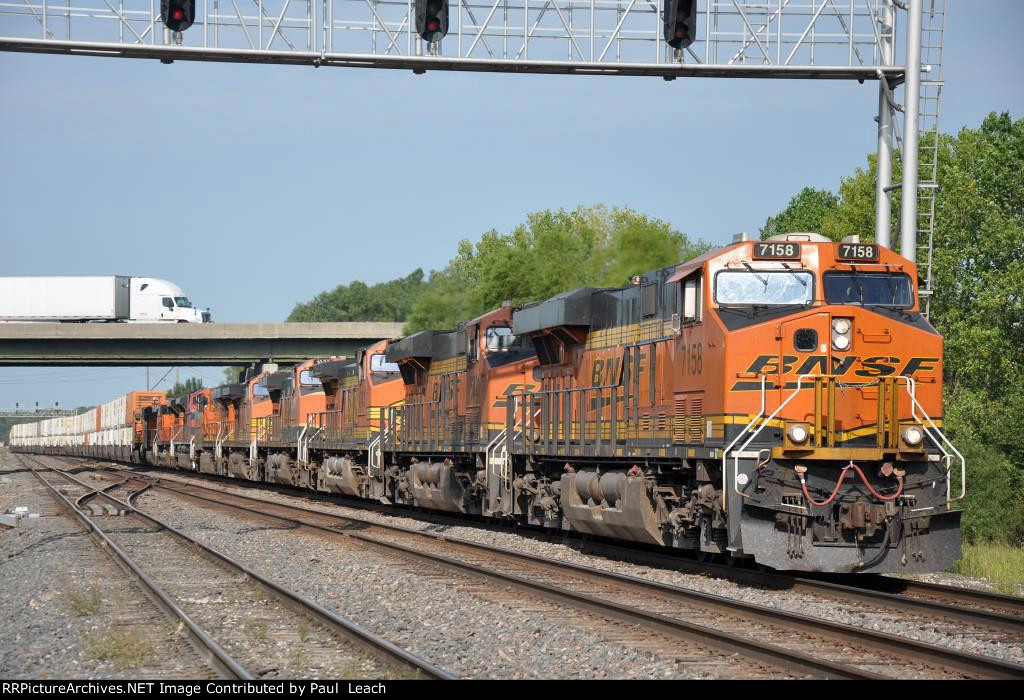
[
  {"x": 778, "y": 401},
  {"x": 439, "y": 445},
  {"x": 344, "y": 439}
]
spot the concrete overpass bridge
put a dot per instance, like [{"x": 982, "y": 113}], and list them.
[{"x": 182, "y": 344}]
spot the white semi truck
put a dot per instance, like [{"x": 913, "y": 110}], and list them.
[{"x": 111, "y": 298}]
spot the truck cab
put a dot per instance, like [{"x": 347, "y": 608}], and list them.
[{"x": 156, "y": 300}]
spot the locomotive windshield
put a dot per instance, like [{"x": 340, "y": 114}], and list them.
[
  {"x": 764, "y": 287},
  {"x": 379, "y": 364},
  {"x": 308, "y": 384},
  {"x": 869, "y": 289},
  {"x": 503, "y": 347}
]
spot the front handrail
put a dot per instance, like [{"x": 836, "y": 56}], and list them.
[
  {"x": 302, "y": 448},
  {"x": 931, "y": 429},
  {"x": 754, "y": 434},
  {"x": 911, "y": 387},
  {"x": 410, "y": 431}
]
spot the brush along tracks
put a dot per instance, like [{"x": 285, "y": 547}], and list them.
[{"x": 243, "y": 624}]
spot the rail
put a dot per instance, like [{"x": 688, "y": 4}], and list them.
[
  {"x": 212, "y": 652},
  {"x": 511, "y": 573},
  {"x": 382, "y": 648}
]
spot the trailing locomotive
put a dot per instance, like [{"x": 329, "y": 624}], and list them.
[{"x": 776, "y": 402}]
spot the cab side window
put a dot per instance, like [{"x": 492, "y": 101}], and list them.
[
  {"x": 474, "y": 343},
  {"x": 168, "y": 302},
  {"x": 693, "y": 298}
]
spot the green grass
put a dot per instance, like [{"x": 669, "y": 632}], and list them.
[
  {"x": 82, "y": 603},
  {"x": 1001, "y": 563},
  {"x": 257, "y": 630},
  {"x": 125, "y": 647}
]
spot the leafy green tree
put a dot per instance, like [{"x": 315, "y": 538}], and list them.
[
  {"x": 806, "y": 212},
  {"x": 357, "y": 301},
  {"x": 185, "y": 388},
  {"x": 978, "y": 306},
  {"x": 443, "y": 302},
  {"x": 631, "y": 243},
  {"x": 552, "y": 252}
]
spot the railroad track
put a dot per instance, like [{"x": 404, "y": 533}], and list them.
[
  {"x": 797, "y": 643},
  {"x": 977, "y": 608},
  {"x": 238, "y": 620}
]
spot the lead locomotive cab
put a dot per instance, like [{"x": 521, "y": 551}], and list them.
[{"x": 837, "y": 461}]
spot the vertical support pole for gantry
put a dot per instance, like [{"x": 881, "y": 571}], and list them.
[
  {"x": 912, "y": 94},
  {"x": 883, "y": 193}
]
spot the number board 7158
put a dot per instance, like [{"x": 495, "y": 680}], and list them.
[
  {"x": 858, "y": 251},
  {"x": 777, "y": 251}
]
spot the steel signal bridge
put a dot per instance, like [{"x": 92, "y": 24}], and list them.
[
  {"x": 182, "y": 344},
  {"x": 732, "y": 38},
  {"x": 894, "y": 42}
]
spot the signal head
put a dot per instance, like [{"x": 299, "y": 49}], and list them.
[
  {"x": 177, "y": 15},
  {"x": 432, "y": 19}
]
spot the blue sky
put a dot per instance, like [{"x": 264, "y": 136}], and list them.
[{"x": 255, "y": 187}]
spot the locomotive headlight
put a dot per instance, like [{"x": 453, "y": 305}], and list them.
[
  {"x": 913, "y": 435},
  {"x": 841, "y": 328},
  {"x": 797, "y": 433}
]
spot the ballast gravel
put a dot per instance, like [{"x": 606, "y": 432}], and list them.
[
  {"x": 934, "y": 631},
  {"x": 472, "y": 633},
  {"x": 67, "y": 610}
]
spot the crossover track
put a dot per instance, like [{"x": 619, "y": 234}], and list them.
[
  {"x": 789, "y": 641},
  {"x": 292, "y": 603}
]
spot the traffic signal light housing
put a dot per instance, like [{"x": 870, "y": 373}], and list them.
[
  {"x": 177, "y": 15},
  {"x": 432, "y": 19},
  {"x": 680, "y": 23}
]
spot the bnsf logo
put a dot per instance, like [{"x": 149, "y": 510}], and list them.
[{"x": 849, "y": 366}]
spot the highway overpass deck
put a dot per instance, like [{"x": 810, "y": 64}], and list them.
[{"x": 182, "y": 344}]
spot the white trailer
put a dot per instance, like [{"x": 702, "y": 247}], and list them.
[{"x": 112, "y": 298}]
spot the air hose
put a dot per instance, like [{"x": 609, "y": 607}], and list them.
[{"x": 839, "y": 482}]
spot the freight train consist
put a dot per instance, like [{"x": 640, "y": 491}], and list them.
[{"x": 773, "y": 402}]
